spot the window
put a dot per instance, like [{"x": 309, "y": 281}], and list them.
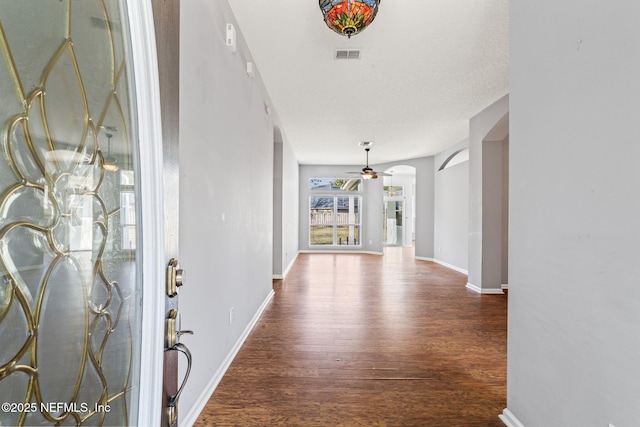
[
  {"x": 334, "y": 220},
  {"x": 334, "y": 211},
  {"x": 334, "y": 184},
  {"x": 393, "y": 190},
  {"x": 127, "y": 210}
]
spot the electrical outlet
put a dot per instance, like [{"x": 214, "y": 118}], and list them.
[{"x": 231, "y": 313}]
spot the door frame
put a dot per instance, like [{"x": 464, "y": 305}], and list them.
[{"x": 147, "y": 99}]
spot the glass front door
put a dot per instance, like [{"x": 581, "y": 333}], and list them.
[{"x": 70, "y": 282}]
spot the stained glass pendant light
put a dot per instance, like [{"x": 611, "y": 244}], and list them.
[{"x": 349, "y": 17}]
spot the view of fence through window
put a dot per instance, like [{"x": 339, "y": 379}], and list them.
[{"x": 334, "y": 220}]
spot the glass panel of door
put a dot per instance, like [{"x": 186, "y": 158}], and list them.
[
  {"x": 393, "y": 232},
  {"x": 70, "y": 288}
]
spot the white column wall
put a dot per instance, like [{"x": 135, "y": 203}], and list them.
[
  {"x": 574, "y": 297},
  {"x": 479, "y": 128}
]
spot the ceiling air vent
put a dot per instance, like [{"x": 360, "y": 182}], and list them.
[
  {"x": 365, "y": 144},
  {"x": 347, "y": 54}
]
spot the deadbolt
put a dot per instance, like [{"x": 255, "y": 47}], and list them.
[
  {"x": 179, "y": 277},
  {"x": 175, "y": 277}
]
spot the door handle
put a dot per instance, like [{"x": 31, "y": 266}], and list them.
[
  {"x": 172, "y": 334},
  {"x": 173, "y": 400}
]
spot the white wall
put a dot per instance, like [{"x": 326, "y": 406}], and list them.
[
  {"x": 505, "y": 212},
  {"x": 574, "y": 296},
  {"x": 491, "y": 124},
  {"x": 452, "y": 210},
  {"x": 494, "y": 217},
  {"x": 424, "y": 206},
  {"x": 277, "y": 205},
  {"x": 226, "y": 194},
  {"x": 290, "y": 202},
  {"x": 285, "y": 209}
]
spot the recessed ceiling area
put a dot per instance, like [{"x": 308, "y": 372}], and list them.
[{"x": 424, "y": 69}]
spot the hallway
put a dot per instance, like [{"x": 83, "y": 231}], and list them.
[{"x": 366, "y": 340}]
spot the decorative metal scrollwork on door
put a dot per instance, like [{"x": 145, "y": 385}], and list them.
[{"x": 69, "y": 287}]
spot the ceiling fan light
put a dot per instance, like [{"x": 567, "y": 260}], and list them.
[
  {"x": 110, "y": 167},
  {"x": 367, "y": 172},
  {"x": 349, "y": 17},
  {"x": 109, "y": 163}
]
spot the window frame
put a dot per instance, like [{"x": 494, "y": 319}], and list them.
[
  {"x": 331, "y": 189},
  {"x": 335, "y": 194},
  {"x": 336, "y": 225}
]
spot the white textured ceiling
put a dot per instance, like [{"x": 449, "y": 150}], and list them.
[{"x": 426, "y": 68}]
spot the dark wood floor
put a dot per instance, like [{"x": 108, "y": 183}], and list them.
[{"x": 365, "y": 340}]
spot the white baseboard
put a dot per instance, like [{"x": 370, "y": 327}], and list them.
[
  {"x": 509, "y": 419},
  {"x": 445, "y": 264},
  {"x": 334, "y": 251},
  {"x": 484, "y": 291},
  {"x": 505, "y": 286},
  {"x": 192, "y": 416},
  {"x": 286, "y": 271},
  {"x": 451, "y": 266}
]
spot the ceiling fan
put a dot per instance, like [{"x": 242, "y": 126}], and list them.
[{"x": 367, "y": 172}]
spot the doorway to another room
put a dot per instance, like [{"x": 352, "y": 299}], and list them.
[{"x": 399, "y": 216}]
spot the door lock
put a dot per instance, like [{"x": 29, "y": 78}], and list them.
[{"x": 175, "y": 277}]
